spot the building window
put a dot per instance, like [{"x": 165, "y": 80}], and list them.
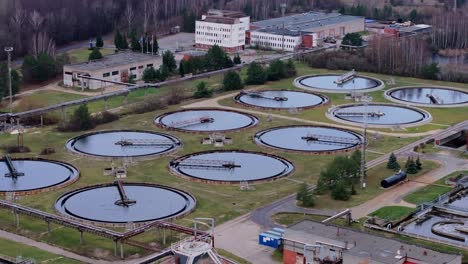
[
  {"x": 67, "y": 73},
  {"x": 115, "y": 73},
  {"x": 107, "y": 74},
  {"x": 149, "y": 65},
  {"x": 133, "y": 68},
  {"x": 140, "y": 67}
]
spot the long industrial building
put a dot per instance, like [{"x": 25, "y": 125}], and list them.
[
  {"x": 115, "y": 68},
  {"x": 302, "y": 30}
]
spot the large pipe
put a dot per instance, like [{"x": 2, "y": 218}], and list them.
[{"x": 394, "y": 179}]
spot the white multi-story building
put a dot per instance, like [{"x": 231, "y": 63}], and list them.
[{"x": 223, "y": 28}]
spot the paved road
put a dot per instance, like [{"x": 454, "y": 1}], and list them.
[{"x": 263, "y": 216}]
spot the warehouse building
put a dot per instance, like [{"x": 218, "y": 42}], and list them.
[
  {"x": 308, "y": 29},
  {"x": 314, "y": 242},
  {"x": 223, "y": 28},
  {"x": 110, "y": 70}
]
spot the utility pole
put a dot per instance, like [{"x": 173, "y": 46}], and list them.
[
  {"x": 8, "y": 50},
  {"x": 455, "y": 3},
  {"x": 283, "y": 37},
  {"x": 365, "y": 99}
]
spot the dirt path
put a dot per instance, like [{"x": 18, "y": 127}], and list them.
[{"x": 214, "y": 102}]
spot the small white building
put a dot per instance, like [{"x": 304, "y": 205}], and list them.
[
  {"x": 281, "y": 39},
  {"x": 115, "y": 68},
  {"x": 223, "y": 28}
]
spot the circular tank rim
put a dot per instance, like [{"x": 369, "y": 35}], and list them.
[
  {"x": 104, "y": 157},
  {"x": 297, "y": 83},
  {"x": 123, "y": 224},
  {"x": 287, "y": 162},
  {"x": 388, "y": 96},
  {"x": 73, "y": 179},
  {"x": 426, "y": 119},
  {"x": 253, "y": 123},
  {"x": 325, "y": 100},
  {"x": 324, "y": 152}
]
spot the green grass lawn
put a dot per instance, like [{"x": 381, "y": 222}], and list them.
[
  {"x": 13, "y": 249},
  {"x": 373, "y": 189},
  {"x": 426, "y": 194},
  {"x": 81, "y": 55},
  {"x": 222, "y": 202},
  {"x": 430, "y": 192},
  {"x": 392, "y": 213}
]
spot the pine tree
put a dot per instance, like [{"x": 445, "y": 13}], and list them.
[
  {"x": 136, "y": 46},
  {"x": 256, "y": 74},
  {"x": 276, "y": 71},
  {"x": 237, "y": 59},
  {"x": 118, "y": 40},
  {"x": 182, "y": 68},
  {"x": 15, "y": 81},
  {"x": 392, "y": 163},
  {"x": 164, "y": 73},
  {"x": 95, "y": 55},
  {"x": 99, "y": 42},
  {"x": 412, "y": 167},
  {"x": 124, "y": 42},
  {"x": 408, "y": 162},
  {"x": 290, "y": 69},
  {"x": 169, "y": 61},
  {"x": 418, "y": 164},
  {"x": 202, "y": 91},
  {"x": 149, "y": 75},
  {"x": 82, "y": 118},
  {"x": 232, "y": 81}
]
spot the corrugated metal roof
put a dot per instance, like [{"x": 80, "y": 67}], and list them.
[
  {"x": 306, "y": 21},
  {"x": 379, "y": 248},
  {"x": 113, "y": 60}
]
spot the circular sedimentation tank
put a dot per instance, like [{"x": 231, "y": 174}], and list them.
[
  {"x": 123, "y": 143},
  {"x": 140, "y": 203},
  {"x": 379, "y": 115},
  {"x": 309, "y": 139},
  {"x": 430, "y": 96},
  {"x": 280, "y": 99},
  {"x": 30, "y": 176},
  {"x": 231, "y": 167},
  {"x": 329, "y": 83},
  {"x": 205, "y": 120}
]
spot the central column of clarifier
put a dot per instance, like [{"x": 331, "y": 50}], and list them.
[{"x": 124, "y": 200}]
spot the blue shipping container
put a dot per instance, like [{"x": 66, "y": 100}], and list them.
[{"x": 269, "y": 240}]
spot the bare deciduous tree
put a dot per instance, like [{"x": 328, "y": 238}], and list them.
[
  {"x": 146, "y": 15},
  {"x": 129, "y": 15}
]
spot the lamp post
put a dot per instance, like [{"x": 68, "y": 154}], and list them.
[{"x": 8, "y": 50}]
